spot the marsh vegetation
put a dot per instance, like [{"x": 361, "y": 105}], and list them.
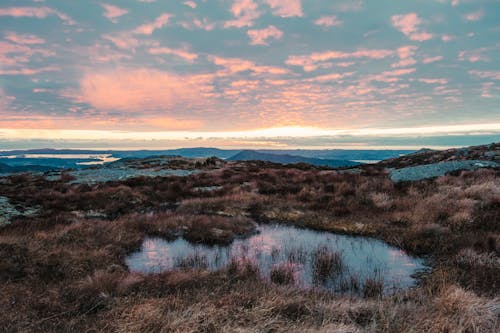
[{"x": 65, "y": 267}]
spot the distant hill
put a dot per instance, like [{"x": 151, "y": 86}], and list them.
[
  {"x": 252, "y": 155},
  {"x": 4, "y": 168},
  {"x": 490, "y": 152}
]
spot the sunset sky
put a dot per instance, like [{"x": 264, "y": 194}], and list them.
[{"x": 249, "y": 73}]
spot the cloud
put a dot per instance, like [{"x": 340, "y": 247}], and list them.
[
  {"x": 245, "y": 12},
  {"x": 191, "y": 4},
  {"x": 237, "y": 65},
  {"x": 202, "y": 24},
  {"x": 113, "y": 12},
  {"x": 186, "y": 55},
  {"x": 313, "y": 61},
  {"x": 349, "y": 6},
  {"x": 261, "y": 37},
  {"x": 143, "y": 90},
  {"x": 406, "y": 54},
  {"x": 473, "y": 55},
  {"x": 24, "y": 39},
  {"x": 430, "y": 60},
  {"x": 447, "y": 38},
  {"x": 474, "y": 16},
  {"x": 36, "y": 12},
  {"x": 409, "y": 24},
  {"x": 330, "y": 77},
  {"x": 433, "y": 81},
  {"x": 491, "y": 75},
  {"x": 149, "y": 28},
  {"x": 285, "y": 8},
  {"x": 169, "y": 123},
  {"x": 328, "y": 21},
  {"x": 123, "y": 41},
  {"x": 29, "y": 71}
]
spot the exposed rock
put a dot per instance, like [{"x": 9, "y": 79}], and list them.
[
  {"x": 438, "y": 169},
  {"x": 9, "y": 211}
]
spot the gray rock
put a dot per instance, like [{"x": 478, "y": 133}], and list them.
[
  {"x": 9, "y": 211},
  {"x": 438, "y": 169}
]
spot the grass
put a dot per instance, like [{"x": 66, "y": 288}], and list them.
[
  {"x": 63, "y": 269},
  {"x": 326, "y": 264}
]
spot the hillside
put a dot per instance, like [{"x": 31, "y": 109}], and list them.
[
  {"x": 490, "y": 152},
  {"x": 251, "y": 155}
]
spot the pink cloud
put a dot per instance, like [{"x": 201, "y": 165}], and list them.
[
  {"x": 143, "y": 90},
  {"x": 233, "y": 65},
  {"x": 421, "y": 36},
  {"x": 447, "y": 38},
  {"x": 328, "y": 21},
  {"x": 406, "y": 54},
  {"x": 203, "y": 24},
  {"x": 433, "y": 81},
  {"x": 191, "y": 4},
  {"x": 330, "y": 77},
  {"x": 29, "y": 71},
  {"x": 474, "y": 16},
  {"x": 349, "y": 6},
  {"x": 169, "y": 123},
  {"x": 285, "y": 8},
  {"x": 492, "y": 75},
  {"x": 149, "y": 28},
  {"x": 399, "y": 72},
  {"x": 245, "y": 12},
  {"x": 123, "y": 41},
  {"x": 186, "y": 55},
  {"x": 473, "y": 55},
  {"x": 237, "y": 65},
  {"x": 409, "y": 25},
  {"x": 15, "y": 55},
  {"x": 430, "y": 60},
  {"x": 262, "y": 36},
  {"x": 113, "y": 12},
  {"x": 23, "y": 39},
  {"x": 37, "y": 12},
  {"x": 313, "y": 61}
]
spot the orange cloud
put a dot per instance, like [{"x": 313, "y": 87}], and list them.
[
  {"x": 261, "y": 37},
  {"x": 167, "y": 123},
  {"x": 144, "y": 90}
]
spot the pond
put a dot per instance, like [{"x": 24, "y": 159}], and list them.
[{"x": 287, "y": 254}]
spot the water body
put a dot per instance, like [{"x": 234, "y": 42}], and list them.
[
  {"x": 296, "y": 248},
  {"x": 86, "y": 159}
]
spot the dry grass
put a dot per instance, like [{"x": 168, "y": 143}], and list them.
[{"x": 64, "y": 270}]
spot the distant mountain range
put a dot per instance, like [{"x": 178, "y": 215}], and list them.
[
  {"x": 333, "y": 154},
  {"x": 252, "y": 155}
]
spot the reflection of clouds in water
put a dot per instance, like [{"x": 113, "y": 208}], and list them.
[{"x": 279, "y": 244}]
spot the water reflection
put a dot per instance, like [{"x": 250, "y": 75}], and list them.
[{"x": 306, "y": 252}]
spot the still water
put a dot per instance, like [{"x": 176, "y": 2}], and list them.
[{"x": 277, "y": 245}]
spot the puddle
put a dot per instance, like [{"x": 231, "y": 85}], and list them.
[{"x": 312, "y": 257}]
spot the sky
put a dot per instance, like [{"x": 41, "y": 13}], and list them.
[{"x": 249, "y": 73}]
